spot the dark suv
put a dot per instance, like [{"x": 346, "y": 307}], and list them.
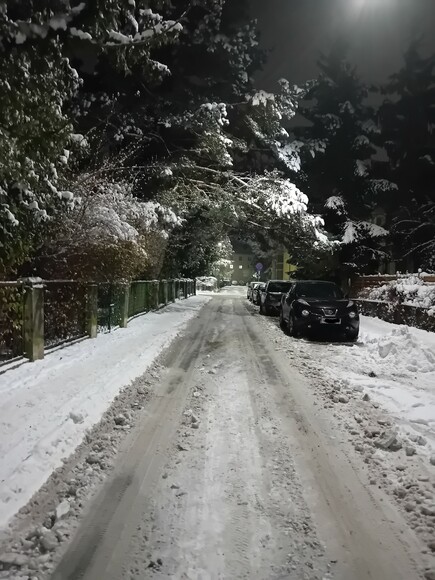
[
  {"x": 270, "y": 297},
  {"x": 312, "y": 306}
]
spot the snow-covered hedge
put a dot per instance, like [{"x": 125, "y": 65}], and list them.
[{"x": 411, "y": 290}]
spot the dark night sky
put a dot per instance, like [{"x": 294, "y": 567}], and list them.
[{"x": 379, "y": 30}]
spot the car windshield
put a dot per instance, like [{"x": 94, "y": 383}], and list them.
[
  {"x": 279, "y": 286},
  {"x": 319, "y": 291}
]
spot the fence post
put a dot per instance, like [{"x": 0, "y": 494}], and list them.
[
  {"x": 174, "y": 292},
  {"x": 194, "y": 286},
  {"x": 155, "y": 294},
  {"x": 125, "y": 289},
  {"x": 185, "y": 289},
  {"x": 165, "y": 291},
  {"x": 33, "y": 319},
  {"x": 92, "y": 311}
]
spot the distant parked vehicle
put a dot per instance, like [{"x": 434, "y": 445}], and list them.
[
  {"x": 270, "y": 298},
  {"x": 312, "y": 306},
  {"x": 256, "y": 293},
  {"x": 250, "y": 289},
  {"x": 234, "y": 283}
]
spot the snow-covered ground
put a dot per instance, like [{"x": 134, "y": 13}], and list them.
[
  {"x": 396, "y": 365},
  {"x": 404, "y": 360},
  {"x": 47, "y": 406}
]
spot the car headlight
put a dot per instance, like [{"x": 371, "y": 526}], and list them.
[
  {"x": 305, "y": 313},
  {"x": 353, "y": 314}
]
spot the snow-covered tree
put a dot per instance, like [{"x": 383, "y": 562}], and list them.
[
  {"x": 408, "y": 130},
  {"x": 156, "y": 90},
  {"x": 36, "y": 80},
  {"x": 338, "y": 174}
]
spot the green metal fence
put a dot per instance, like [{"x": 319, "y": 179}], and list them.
[
  {"x": 140, "y": 297},
  {"x": 36, "y": 314},
  {"x": 64, "y": 311},
  {"x": 11, "y": 320},
  {"x": 110, "y": 303}
]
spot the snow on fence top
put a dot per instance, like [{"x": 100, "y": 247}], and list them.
[{"x": 408, "y": 289}]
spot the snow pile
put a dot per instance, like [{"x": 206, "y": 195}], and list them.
[
  {"x": 411, "y": 290},
  {"x": 396, "y": 365},
  {"x": 402, "y": 351},
  {"x": 46, "y": 407},
  {"x": 206, "y": 283}
]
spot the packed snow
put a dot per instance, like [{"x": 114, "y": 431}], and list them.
[{"x": 47, "y": 406}]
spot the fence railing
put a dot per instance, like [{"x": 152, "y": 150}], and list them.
[
  {"x": 414, "y": 316},
  {"x": 39, "y": 314},
  {"x": 361, "y": 283}
]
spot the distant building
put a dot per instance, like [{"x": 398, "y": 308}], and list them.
[
  {"x": 242, "y": 263},
  {"x": 281, "y": 268}
]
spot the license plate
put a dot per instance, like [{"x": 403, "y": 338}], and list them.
[{"x": 330, "y": 321}]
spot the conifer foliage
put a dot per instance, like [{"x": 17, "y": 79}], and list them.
[{"x": 127, "y": 129}]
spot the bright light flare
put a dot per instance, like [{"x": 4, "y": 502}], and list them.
[{"x": 362, "y": 5}]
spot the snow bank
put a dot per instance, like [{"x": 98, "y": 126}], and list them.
[
  {"x": 397, "y": 365},
  {"x": 47, "y": 406}
]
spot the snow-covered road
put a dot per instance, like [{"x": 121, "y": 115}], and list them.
[
  {"x": 47, "y": 406},
  {"x": 244, "y": 454},
  {"x": 254, "y": 485}
]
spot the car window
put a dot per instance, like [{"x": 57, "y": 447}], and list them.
[
  {"x": 279, "y": 286},
  {"x": 319, "y": 291}
]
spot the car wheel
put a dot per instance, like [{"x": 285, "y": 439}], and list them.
[{"x": 351, "y": 336}]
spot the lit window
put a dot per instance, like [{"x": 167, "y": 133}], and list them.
[
  {"x": 231, "y": 267},
  {"x": 240, "y": 267}
]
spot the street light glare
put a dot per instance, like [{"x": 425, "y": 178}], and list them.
[{"x": 371, "y": 4}]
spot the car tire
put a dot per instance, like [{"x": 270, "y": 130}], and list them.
[{"x": 351, "y": 336}]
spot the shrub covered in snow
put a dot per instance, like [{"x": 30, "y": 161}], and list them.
[{"x": 411, "y": 290}]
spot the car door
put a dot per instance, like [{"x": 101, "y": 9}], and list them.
[
  {"x": 263, "y": 294},
  {"x": 288, "y": 301}
]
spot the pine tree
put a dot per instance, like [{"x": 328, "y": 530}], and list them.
[
  {"x": 36, "y": 135},
  {"x": 339, "y": 178},
  {"x": 408, "y": 130},
  {"x": 159, "y": 100}
]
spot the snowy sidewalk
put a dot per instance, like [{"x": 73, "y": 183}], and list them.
[{"x": 47, "y": 406}]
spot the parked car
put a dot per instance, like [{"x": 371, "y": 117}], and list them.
[
  {"x": 270, "y": 297},
  {"x": 256, "y": 293},
  {"x": 312, "y": 306},
  {"x": 250, "y": 289}
]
